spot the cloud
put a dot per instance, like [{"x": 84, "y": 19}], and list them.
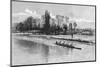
[
  {"x": 32, "y": 13},
  {"x": 83, "y": 23},
  {"x": 35, "y": 14},
  {"x": 52, "y": 15},
  {"x": 80, "y": 20},
  {"x": 28, "y": 11},
  {"x": 19, "y": 14}
]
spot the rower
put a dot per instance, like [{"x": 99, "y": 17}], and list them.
[
  {"x": 71, "y": 44},
  {"x": 63, "y": 43},
  {"x": 60, "y": 42},
  {"x": 56, "y": 42}
]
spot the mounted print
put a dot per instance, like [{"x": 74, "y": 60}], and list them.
[{"x": 52, "y": 33}]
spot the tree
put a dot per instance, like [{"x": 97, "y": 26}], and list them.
[
  {"x": 28, "y": 23},
  {"x": 71, "y": 29},
  {"x": 65, "y": 28},
  {"x": 47, "y": 22},
  {"x": 19, "y": 27},
  {"x": 75, "y": 25},
  {"x": 58, "y": 29}
]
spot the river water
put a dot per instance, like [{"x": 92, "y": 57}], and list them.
[{"x": 29, "y": 52}]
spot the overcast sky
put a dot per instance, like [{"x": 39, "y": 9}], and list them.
[{"x": 83, "y": 12}]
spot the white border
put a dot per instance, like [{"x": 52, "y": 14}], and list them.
[{"x": 5, "y": 33}]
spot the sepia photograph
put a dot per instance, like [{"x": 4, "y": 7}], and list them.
[{"x": 50, "y": 33}]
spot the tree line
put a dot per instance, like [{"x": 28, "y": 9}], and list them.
[{"x": 30, "y": 24}]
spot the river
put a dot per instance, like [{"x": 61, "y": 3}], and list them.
[{"x": 29, "y": 52}]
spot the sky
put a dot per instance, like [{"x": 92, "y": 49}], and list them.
[
  {"x": 20, "y": 10},
  {"x": 85, "y": 12}
]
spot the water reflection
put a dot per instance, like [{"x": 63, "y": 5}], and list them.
[
  {"x": 43, "y": 51},
  {"x": 28, "y": 52},
  {"x": 27, "y": 46}
]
